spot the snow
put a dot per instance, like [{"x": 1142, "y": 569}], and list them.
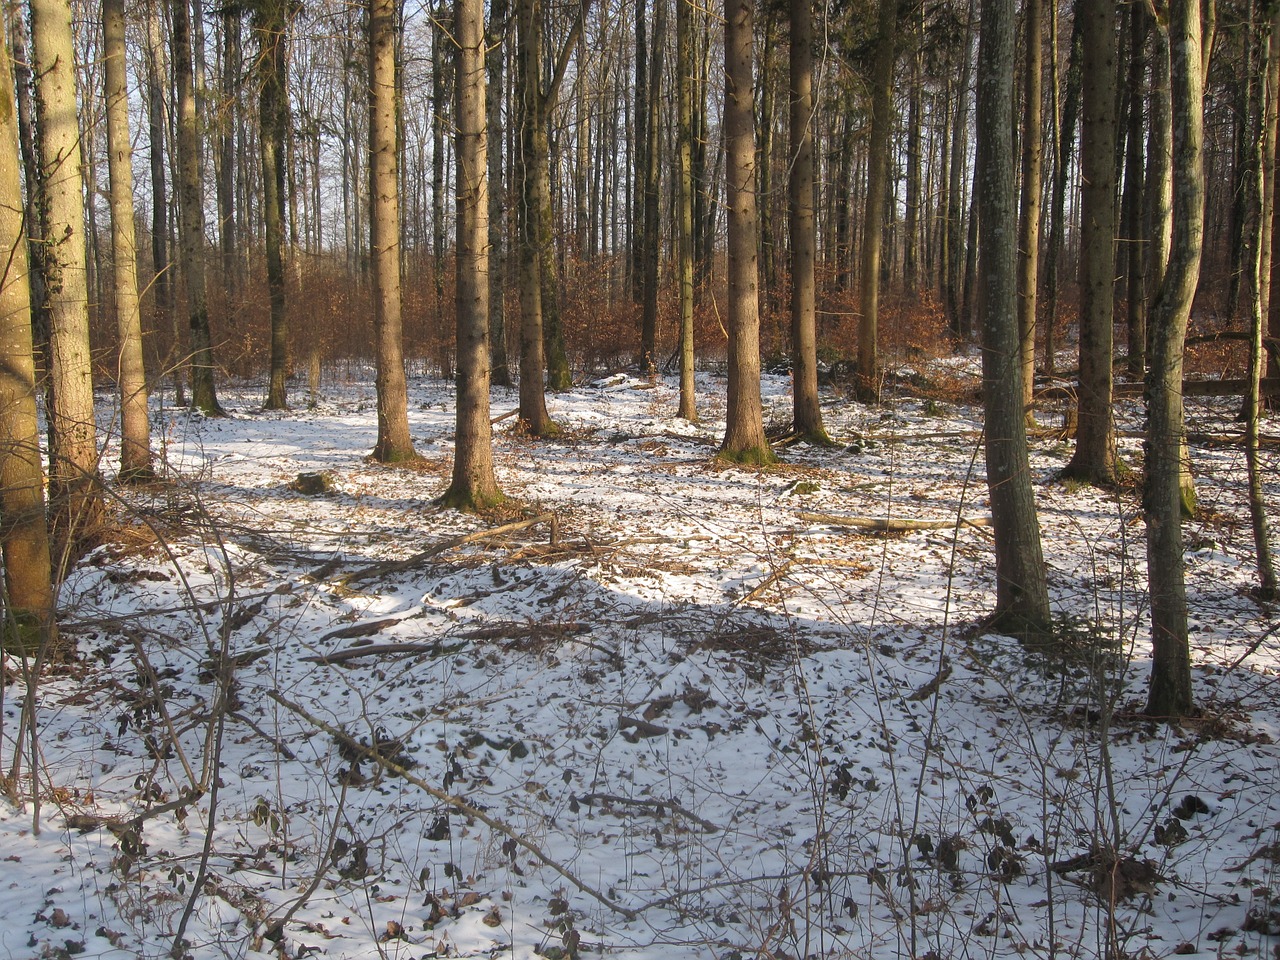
[{"x": 705, "y": 722}]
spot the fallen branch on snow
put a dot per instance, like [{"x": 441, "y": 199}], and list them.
[{"x": 892, "y": 525}]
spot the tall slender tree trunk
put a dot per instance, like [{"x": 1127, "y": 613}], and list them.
[
  {"x": 157, "y": 126},
  {"x": 744, "y": 439},
  {"x": 24, "y": 536},
  {"x": 1133, "y": 200},
  {"x": 271, "y": 24},
  {"x": 131, "y": 377},
  {"x": 74, "y": 485},
  {"x": 1067, "y": 110},
  {"x": 684, "y": 241},
  {"x": 229, "y": 123},
  {"x": 806, "y": 409},
  {"x": 498, "y": 194},
  {"x": 533, "y": 404},
  {"x": 204, "y": 396},
  {"x": 474, "y": 485},
  {"x": 1094, "y": 459},
  {"x": 1259, "y": 200},
  {"x": 394, "y": 443},
  {"x": 867, "y": 375},
  {"x": 953, "y": 247},
  {"x": 1022, "y": 598},
  {"x": 649, "y": 247},
  {"x": 1169, "y": 694},
  {"x": 1032, "y": 182}
]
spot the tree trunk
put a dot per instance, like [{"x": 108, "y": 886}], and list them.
[
  {"x": 1066, "y": 111},
  {"x": 806, "y": 408},
  {"x": 229, "y": 123},
  {"x": 394, "y": 443},
  {"x": 953, "y": 259},
  {"x": 684, "y": 244},
  {"x": 744, "y": 439},
  {"x": 650, "y": 234},
  {"x": 204, "y": 396},
  {"x": 135, "y": 424},
  {"x": 1094, "y": 460},
  {"x": 1022, "y": 599},
  {"x": 271, "y": 24},
  {"x": 157, "y": 125},
  {"x": 24, "y": 536},
  {"x": 1133, "y": 201},
  {"x": 533, "y": 405},
  {"x": 74, "y": 485},
  {"x": 473, "y": 486},
  {"x": 498, "y": 192},
  {"x": 1169, "y": 694},
  {"x": 1029, "y": 217},
  {"x": 1258, "y": 202},
  {"x": 867, "y": 376}
]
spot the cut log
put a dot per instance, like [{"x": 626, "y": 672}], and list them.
[{"x": 892, "y": 524}]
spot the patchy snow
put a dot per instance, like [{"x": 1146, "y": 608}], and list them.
[{"x": 703, "y": 721}]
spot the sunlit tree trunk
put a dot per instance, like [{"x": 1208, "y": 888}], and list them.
[
  {"x": 394, "y": 443},
  {"x": 1169, "y": 694},
  {"x": 74, "y": 484},
  {"x": 157, "y": 124},
  {"x": 204, "y": 397},
  {"x": 1029, "y": 216},
  {"x": 24, "y": 535},
  {"x": 806, "y": 413},
  {"x": 474, "y": 485},
  {"x": 867, "y": 376},
  {"x": 650, "y": 238},
  {"x": 1094, "y": 459},
  {"x": 1022, "y": 599},
  {"x": 1259, "y": 200},
  {"x": 131, "y": 378},
  {"x": 744, "y": 439}
]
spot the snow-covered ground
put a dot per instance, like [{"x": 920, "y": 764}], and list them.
[{"x": 695, "y": 717}]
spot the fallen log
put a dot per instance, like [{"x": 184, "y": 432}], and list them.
[
  {"x": 375, "y": 570},
  {"x": 384, "y": 649},
  {"x": 893, "y": 525}
]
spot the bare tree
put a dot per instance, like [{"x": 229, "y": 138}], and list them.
[
  {"x": 204, "y": 396},
  {"x": 474, "y": 485},
  {"x": 131, "y": 377},
  {"x": 394, "y": 443},
  {"x": 1022, "y": 597},
  {"x": 744, "y": 439},
  {"x": 24, "y": 536},
  {"x": 867, "y": 376},
  {"x": 74, "y": 483},
  {"x": 271, "y": 23},
  {"x": 806, "y": 413},
  {"x": 1032, "y": 181},
  {"x": 1094, "y": 459},
  {"x": 685, "y": 239},
  {"x": 1169, "y": 694}
]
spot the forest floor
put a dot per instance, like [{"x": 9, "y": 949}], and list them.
[{"x": 694, "y": 716}]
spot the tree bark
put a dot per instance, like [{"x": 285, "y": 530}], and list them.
[
  {"x": 473, "y": 486},
  {"x": 1133, "y": 201},
  {"x": 1169, "y": 694},
  {"x": 271, "y": 24},
  {"x": 204, "y": 396},
  {"x": 1022, "y": 599},
  {"x": 74, "y": 484},
  {"x": 498, "y": 193},
  {"x": 394, "y": 443},
  {"x": 650, "y": 233},
  {"x": 688, "y": 409},
  {"x": 1094, "y": 459},
  {"x": 867, "y": 374},
  {"x": 131, "y": 377},
  {"x": 806, "y": 415},
  {"x": 744, "y": 439},
  {"x": 1032, "y": 181},
  {"x": 24, "y": 536}
]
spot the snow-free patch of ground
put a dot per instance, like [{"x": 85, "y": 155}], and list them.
[{"x": 694, "y": 718}]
